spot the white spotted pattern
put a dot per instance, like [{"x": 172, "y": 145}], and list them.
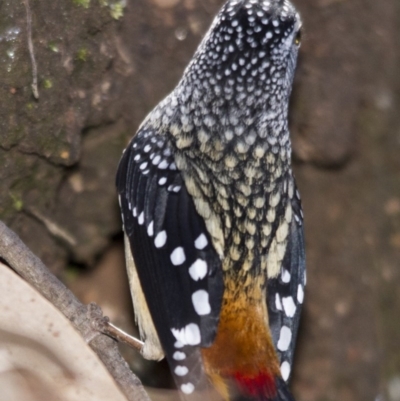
[
  {"x": 181, "y": 370},
  {"x": 285, "y": 370},
  {"x": 300, "y": 294},
  {"x": 285, "y": 338},
  {"x": 141, "y": 219},
  {"x": 289, "y": 306},
  {"x": 160, "y": 239},
  {"x": 198, "y": 270},
  {"x": 187, "y": 388},
  {"x": 162, "y": 181},
  {"x": 150, "y": 229},
  {"x": 178, "y": 256},
  {"x": 278, "y": 303},
  {"x": 179, "y": 356},
  {"x": 163, "y": 165},
  {"x": 285, "y": 276},
  {"x": 201, "y": 242},
  {"x": 188, "y": 335},
  {"x": 201, "y": 302}
]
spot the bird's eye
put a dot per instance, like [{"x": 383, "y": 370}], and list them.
[{"x": 297, "y": 39}]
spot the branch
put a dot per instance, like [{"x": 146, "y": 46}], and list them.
[{"x": 32, "y": 270}]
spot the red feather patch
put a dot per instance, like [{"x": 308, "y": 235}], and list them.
[{"x": 261, "y": 384}]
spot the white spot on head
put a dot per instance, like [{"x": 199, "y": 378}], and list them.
[
  {"x": 181, "y": 370},
  {"x": 141, "y": 219},
  {"x": 285, "y": 370},
  {"x": 189, "y": 335},
  {"x": 178, "y": 256},
  {"x": 278, "y": 303},
  {"x": 143, "y": 165},
  {"x": 201, "y": 302},
  {"x": 201, "y": 242},
  {"x": 147, "y": 148},
  {"x": 161, "y": 239},
  {"x": 179, "y": 356},
  {"x": 300, "y": 294},
  {"x": 285, "y": 338},
  {"x": 289, "y": 306},
  {"x": 187, "y": 388},
  {"x": 150, "y": 229},
  {"x": 137, "y": 157},
  {"x": 198, "y": 270},
  {"x": 285, "y": 276}
]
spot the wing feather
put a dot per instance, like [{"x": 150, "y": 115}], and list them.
[
  {"x": 286, "y": 293},
  {"x": 180, "y": 275}
]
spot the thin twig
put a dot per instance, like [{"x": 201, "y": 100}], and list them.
[
  {"x": 53, "y": 227},
  {"x": 31, "y": 268},
  {"x": 122, "y": 337},
  {"x": 34, "y": 85}
]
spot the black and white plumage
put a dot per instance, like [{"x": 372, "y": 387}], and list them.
[{"x": 210, "y": 208}]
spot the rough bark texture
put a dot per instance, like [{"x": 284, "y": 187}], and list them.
[{"x": 98, "y": 77}]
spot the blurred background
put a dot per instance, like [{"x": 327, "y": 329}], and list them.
[{"x": 102, "y": 65}]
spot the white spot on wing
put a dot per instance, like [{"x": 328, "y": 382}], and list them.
[
  {"x": 163, "y": 165},
  {"x": 156, "y": 160},
  {"x": 181, "y": 370},
  {"x": 285, "y": 276},
  {"x": 178, "y": 256},
  {"x": 201, "y": 302},
  {"x": 300, "y": 294},
  {"x": 187, "y": 388},
  {"x": 285, "y": 370},
  {"x": 189, "y": 335},
  {"x": 201, "y": 242},
  {"x": 285, "y": 337},
  {"x": 162, "y": 180},
  {"x": 160, "y": 239},
  {"x": 289, "y": 306},
  {"x": 150, "y": 229},
  {"x": 141, "y": 218},
  {"x": 198, "y": 270},
  {"x": 278, "y": 303},
  {"x": 179, "y": 356}
]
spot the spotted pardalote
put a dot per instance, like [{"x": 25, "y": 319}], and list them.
[{"x": 211, "y": 213}]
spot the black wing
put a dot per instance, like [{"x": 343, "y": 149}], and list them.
[
  {"x": 179, "y": 270},
  {"x": 286, "y": 292}
]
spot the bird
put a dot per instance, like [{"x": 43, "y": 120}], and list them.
[{"x": 212, "y": 217}]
